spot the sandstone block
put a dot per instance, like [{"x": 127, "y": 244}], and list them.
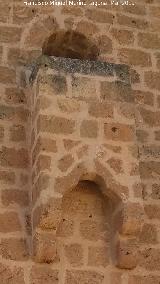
[
  {"x": 69, "y": 106},
  {"x": 138, "y": 279},
  {"x": 149, "y": 169},
  {"x": 11, "y": 276},
  {"x": 45, "y": 247},
  {"x": 17, "y": 133},
  {"x": 150, "y": 151},
  {"x": 11, "y": 157},
  {"x": 51, "y": 215},
  {"x": 83, "y": 277},
  {"x": 7, "y": 177},
  {"x": 116, "y": 91},
  {"x": 104, "y": 109},
  {"x": 142, "y": 135},
  {"x": 83, "y": 88},
  {"x": 149, "y": 234},
  {"x": 44, "y": 274},
  {"x": 47, "y": 144},
  {"x": 129, "y": 220},
  {"x": 10, "y": 34},
  {"x": 142, "y": 97},
  {"x": 116, "y": 165},
  {"x": 152, "y": 211},
  {"x": 136, "y": 9},
  {"x": 14, "y": 249},
  {"x": 74, "y": 254},
  {"x": 98, "y": 256},
  {"x": 74, "y": 11},
  {"x": 126, "y": 254},
  {"x": 70, "y": 144},
  {"x": 87, "y": 28},
  {"x": 57, "y": 125},
  {"x": 65, "y": 228},
  {"x": 150, "y": 259},
  {"x": 94, "y": 230},
  {"x": 152, "y": 80},
  {"x": 15, "y": 196},
  {"x": 155, "y": 11},
  {"x": 116, "y": 278},
  {"x": 123, "y": 36},
  {"x": 119, "y": 132},
  {"x": 89, "y": 129},
  {"x": 132, "y": 22},
  {"x": 7, "y": 76},
  {"x": 43, "y": 163},
  {"x": 9, "y": 222},
  {"x": 4, "y": 12},
  {"x": 149, "y": 40},
  {"x": 52, "y": 84},
  {"x": 99, "y": 16},
  {"x": 134, "y": 57}
]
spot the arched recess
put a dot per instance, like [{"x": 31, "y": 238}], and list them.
[
  {"x": 98, "y": 197},
  {"x": 45, "y": 34},
  {"x": 70, "y": 44}
]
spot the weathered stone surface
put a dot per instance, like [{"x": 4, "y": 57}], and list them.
[
  {"x": 83, "y": 277},
  {"x": 126, "y": 254},
  {"x": 98, "y": 256},
  {"x": 149, "y": 259},
  {"x": 148, "y": 234},
  {"x": 135, "y": 57},
  {"x": 78, "y": 66},
  {"x": 129, "y": 220},
  {"x": 15, "y": 196},
  {"x": 14, "y": 249},
  {"x": 138, "y": 279},
  {"x": 9, "y": 222},
  {"x": 119, "y": 132},
  {"x": 45, "y": 247},
  {"x": 74, "y": 254},
  {"x": 55, "y": 82},
  {"x": 116, "y": 91},
  {"x": 89, "y": 129},
  {"x": 57, "y": 125},
  {"x": 43, "y": 274},
  {"x": 92, "y": 230},
  {"x": 11, "y": 276}
]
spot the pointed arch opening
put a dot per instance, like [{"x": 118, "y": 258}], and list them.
[{"x": 84, "y": 229}]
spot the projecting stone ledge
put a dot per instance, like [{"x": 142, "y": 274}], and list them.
[{"x": 86, "y": 67}]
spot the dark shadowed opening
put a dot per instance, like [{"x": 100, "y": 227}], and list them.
[{"x": 70, "y": 44}]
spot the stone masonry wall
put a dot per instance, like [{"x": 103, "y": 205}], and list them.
[{"x": 125, "y": 181}]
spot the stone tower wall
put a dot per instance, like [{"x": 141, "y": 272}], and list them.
[{"x": 119, "y": 110}]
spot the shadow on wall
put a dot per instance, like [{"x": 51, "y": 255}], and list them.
[{"x": 70, "y": 44}]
